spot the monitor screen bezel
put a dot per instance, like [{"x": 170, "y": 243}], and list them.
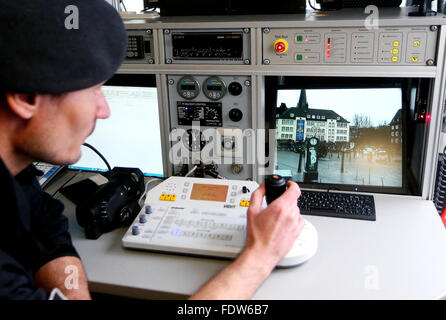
[{"x": 275, "y": 83}]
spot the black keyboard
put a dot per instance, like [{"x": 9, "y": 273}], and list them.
[{"x": 340, "y": 205}]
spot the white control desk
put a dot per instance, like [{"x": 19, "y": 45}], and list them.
[{"x": 402, "y": 255}]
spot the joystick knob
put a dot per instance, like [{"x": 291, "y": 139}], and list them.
[{"x": 275, "y": 186}]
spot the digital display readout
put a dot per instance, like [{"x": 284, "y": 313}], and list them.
[
  {"x": 214, "y": 88},
  {"x": 207, "y": 45},
  {"x": 209, "y": 192},
  {"x": 187, "y": 87}
]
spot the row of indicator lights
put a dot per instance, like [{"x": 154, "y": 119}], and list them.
[
  {"x": 244, "y": 203},
  {"x": 413, "y": 59},
  {"x": 168, "y": 197},
  {"x": 328, "y": 48},
  {"x": 395, "y": 51},
  {"x": 281, "y": 45}
]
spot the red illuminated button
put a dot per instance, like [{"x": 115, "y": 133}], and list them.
[{"x": 281, "y": 46}]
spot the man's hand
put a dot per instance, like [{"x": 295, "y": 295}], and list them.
[{"x": 271, "y": 231}]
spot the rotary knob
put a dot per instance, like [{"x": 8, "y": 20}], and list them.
[
  {"x": 235, "y": 115},
  {"x": 235, "y": 88},
  {"x": 135, "y": 230},
  {"x": 281, "y": 46}
]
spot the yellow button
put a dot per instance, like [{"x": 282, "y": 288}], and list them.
[
  {"x": 395, "y": 59},
  {"x": 396, "y": 43},
  {"x": 163, "y": 197},
  {"x": 414, "y": 59},
  {"x": 416, "y": 43},
  {"x": 244, "y": 203},
  {"x": 395, "y": 51},
  {"x": 173, "y": 197}
]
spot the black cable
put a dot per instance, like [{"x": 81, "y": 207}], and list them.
[
  {"x": 122, "y": 2},
  {"x": 315, "y": 9},
  {"x": 99, "y": 154},
  {"x": 440, "y": 192}
]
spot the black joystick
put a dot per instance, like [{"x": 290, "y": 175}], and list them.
[{"x": 275, "y": 186}]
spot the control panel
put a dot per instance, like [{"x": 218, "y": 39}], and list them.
[
  {"x": 140, "y": 47},
  {"x": 209, "y": 114},
  {"x": 218, "y": 46},
  {"x": 350, "y": 46},
  {"x": 205, "y": 217}
]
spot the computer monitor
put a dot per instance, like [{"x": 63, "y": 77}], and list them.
[
  {"x": 131, "y": 136},
  {"x": 341, "y": 134}
]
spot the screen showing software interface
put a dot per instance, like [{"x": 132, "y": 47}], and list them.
[
  {"x": 131, "y": 136},
  {"x": 340, "y": 136}
]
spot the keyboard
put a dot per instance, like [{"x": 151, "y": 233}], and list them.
[
  {"x": 49, "y": 172},
  {"x": 340, "y": 205}
]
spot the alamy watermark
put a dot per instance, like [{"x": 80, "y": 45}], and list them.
[
  {"x": 222, "y": 146},
  {"x": 72, "y": 20},
  {"x": 72, "y": 280},
  {"x": 372, "y": 21},
  {"x": 371, "y": 280}
]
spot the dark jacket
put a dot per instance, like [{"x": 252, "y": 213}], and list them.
[{"x": 33, "y": 231}]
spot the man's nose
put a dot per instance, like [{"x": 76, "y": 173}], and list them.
[{"x": 103, "y": 109}]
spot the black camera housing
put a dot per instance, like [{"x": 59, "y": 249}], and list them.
[{"x": 114, "y": 204}]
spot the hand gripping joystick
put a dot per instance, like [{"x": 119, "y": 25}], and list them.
[{"x": 306, "y": 245}]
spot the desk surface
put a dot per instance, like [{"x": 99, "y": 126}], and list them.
[{"x": 401, "y": 255}]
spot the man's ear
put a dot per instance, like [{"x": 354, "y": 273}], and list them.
[{"x": 23, "y": 105}]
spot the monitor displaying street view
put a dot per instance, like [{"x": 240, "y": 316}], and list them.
[{"x": 340, "y": 136}]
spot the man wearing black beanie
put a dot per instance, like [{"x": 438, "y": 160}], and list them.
[{"x": 54, "y": 57}]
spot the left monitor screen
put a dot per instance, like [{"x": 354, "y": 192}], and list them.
[{"x": 131, "y": 136}]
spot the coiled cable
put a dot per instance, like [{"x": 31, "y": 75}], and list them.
[{"x": 440, "y": 193}]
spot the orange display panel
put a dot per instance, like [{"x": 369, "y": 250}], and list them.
[{"x": 209, "y": 192}]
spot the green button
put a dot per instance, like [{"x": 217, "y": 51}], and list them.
[
  {"x": 299, "y": 57},
  {"x": 299, "y": 38}
]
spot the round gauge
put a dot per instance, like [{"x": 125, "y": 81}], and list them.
[
  {"x": 313, "y": 141},
  {"x": 188, "y": 88},
  {"x": 214, "y": 88}
]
